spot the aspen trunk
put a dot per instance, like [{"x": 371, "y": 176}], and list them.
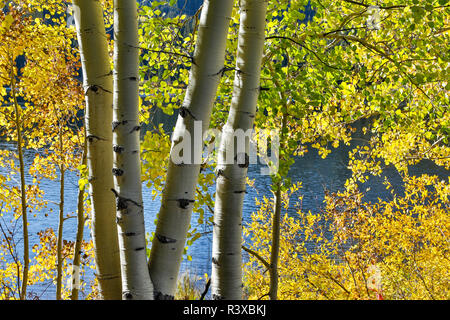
[
  {"x": 79, "y": 238},
  {"x": 226, "y": 279},
  {"x": 23, "y": 194},
  {"x": 136, "y": 284},
  {"x": 59, "y": 257},
  {"x": 179, "y": 192},
  {"x": 276, "y": 218},
  {"x": 59, "y": 241},
  {"x": 98, "y": 85},
  {"x": 274, "y": 253}
]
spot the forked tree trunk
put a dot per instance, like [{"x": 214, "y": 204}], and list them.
[
  {"x": 226, "y": 279},
  {"x": 182, "y": 176},
  {"x": 98, "y": 85},
  {"x": 136, "y": 284}
]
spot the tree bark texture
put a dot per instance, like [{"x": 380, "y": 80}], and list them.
[
  {"x": 98, "y": 86},
  {"x": 59, "y": 246},
  {"x": 226, "y": 279},
  {"x": 275, "y": 250},
  {"x": 75, "y": 281},
  {"x": 136, "y": 284},
  {"x": 179, "y": 192}
]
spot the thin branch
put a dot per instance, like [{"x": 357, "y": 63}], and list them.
[
  {"x": 320, "y": 291},
  {"x": 307, "y": 49},
  {"x": 69, "y": 217},
  {"x": 401, "y": 6},
  {"x": 381, "y": 7},
  {"x": 202, "y": 297},
  {"x": 170, "y": 53},
  {"x": 256, "y": 255},
  {"x": 381, "y": 53},
  {"x": 264, "y": 295}
]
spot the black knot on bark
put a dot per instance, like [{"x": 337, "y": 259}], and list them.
[
  {"x": 242, "y": 159},
  {"x": 127, "y": 295},
  {"x": 215, "y": 261},
  {"x": 164, "y": 239},
  {"x": 239, "y": 71},
  {"x": 95, "y": 88},
  {"x": 117, "y": 172},
  {"x": 221, "y": 172},
  {"x": 90, "y": 138},
  {"x": 115, "y": 124},
  {"x": 122, "y": 203},
  {"x": 160, "y": 296},
  {"x": 118, "y": 149},
  {"x": 179, "y": 164},
  {"x": 184, "y": 203},
  {"x": 183, "y": 112},
  {"x": 223, "y": 70},
  {"x": 135, "y": 128}
]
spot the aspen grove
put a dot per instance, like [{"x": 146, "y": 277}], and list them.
[{"x": 250, "y": 88}]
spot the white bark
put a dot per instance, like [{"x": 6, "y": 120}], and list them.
[
  {"x": 226, "y": 278},
  {"x": 98, "y": 85},
  {"x": 136, "y": 284},
  {"x": 179, "y": 193},
  {"x": 75, "y": 282}
]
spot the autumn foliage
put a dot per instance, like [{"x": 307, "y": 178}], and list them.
[
  {"x": 355, "y": 249},
  {"x": 373, "y": 79}
]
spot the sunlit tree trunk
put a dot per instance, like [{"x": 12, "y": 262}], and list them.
[
  {"x": 136, "y": 284},
  {"x": 226, "y": 279},
  {"x": 59, "y": 241},
  {"x": 275, "y": 248},
  {"x": 59, "y": 245},
  {"x": 277, "y": 183},
  {"x": 98, "y": 85},
  {"x": 179, "y": 193}
]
